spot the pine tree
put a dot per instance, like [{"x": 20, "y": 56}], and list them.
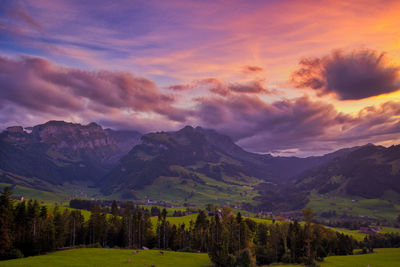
[
  {"x": 20, "y": 226},
  {"x": 61, "y": 227},
  {"x": 6, "y": 220}
]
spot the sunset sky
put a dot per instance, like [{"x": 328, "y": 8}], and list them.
[{"x": 284, "y": 77}]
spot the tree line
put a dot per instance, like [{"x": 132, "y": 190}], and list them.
[{"x": 28, "y": 228}]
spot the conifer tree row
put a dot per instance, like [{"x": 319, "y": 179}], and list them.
[{"x": 28, "y": 228}]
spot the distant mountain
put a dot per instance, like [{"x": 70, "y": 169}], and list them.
[
  {"x": 58, "y": 151},
  {"x": 368, "y": 171},
  {"x": 199, "y": 155}
]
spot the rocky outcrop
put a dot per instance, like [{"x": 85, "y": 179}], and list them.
[{"x": 60, "y": 151}]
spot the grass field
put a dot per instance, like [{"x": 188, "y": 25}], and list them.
[
  {"x": 382, "y": 257},
  {"x": 176, "y": 220},
  {"x": 34, "y": 193},
  {"x": 112, "y": 257},
  {"x": 175, "y": 191},
  {"x": 388, "y": 257}
]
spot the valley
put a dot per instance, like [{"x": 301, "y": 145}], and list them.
[{"x": 196, "y": 167}]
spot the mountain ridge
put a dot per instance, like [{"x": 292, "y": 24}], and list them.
[
  {"x": 58, "y": 151},
  {"x": 368, "y": 172},
  {"x": 202, "y": 154}
]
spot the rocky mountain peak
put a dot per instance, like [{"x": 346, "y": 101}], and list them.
[
  {"x": 15, "y": 129},
  {"x": 58, "y": 131},
  {"x": 62, "y": 151}
]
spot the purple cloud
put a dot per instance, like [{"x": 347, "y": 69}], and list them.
[
  {"x": 300, "y": 125},
  {"x": 40, "y": 85},
  {"x": 356, "y": 75}
]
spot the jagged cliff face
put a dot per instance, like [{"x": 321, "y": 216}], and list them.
[
  {"x": 75, "y": 135},
  {"x": 15, "y": 134},
  {"x": 59, "y": 151},
  {"x": 83, "y": 141}
]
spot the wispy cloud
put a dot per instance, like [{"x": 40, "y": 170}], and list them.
[{"x": 40, "y": 85}]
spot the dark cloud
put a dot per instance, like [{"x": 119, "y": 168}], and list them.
[
  {"x": 21, "y": 83},
  {"x": 252, "y": 69},
  {"x": 356, "y": 75},
  {"x": 246, "y": 116},
  {"x": 297, "y": 126},
  {"x": 40, "y": 85}
]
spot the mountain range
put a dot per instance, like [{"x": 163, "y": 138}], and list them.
[{"x": 191, "y": 165}]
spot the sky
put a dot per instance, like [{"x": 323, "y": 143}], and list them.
[{"x": 291, "y": 78}]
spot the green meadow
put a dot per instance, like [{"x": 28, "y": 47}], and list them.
[
  {"x": 382, "y": 257},
  {"x": 374, "y": 208},
  {"x": 175, "y": 191},
  {"x": 387, "y": 257},
  {"x": 176, "y": 220},
  {"x": 112, "y": 257}
]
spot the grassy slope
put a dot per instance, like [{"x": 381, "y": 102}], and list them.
[
  {"x": 383, "y": 257},
  {"x": 59, "y": 194},
  {"x": 176, "y": 220},
  {"x": 388, "y": 257},
  {"x": 374, "y": 208},
  {"x": 85, "y": 213},
  {"x": 353, "y": 233},
  {"x": 35, "y": 194},
  {"x": 112, "y": 257},
  {"x": 173, "y": 190}
]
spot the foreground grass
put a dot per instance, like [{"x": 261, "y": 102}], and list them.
[
  {"x": 387, "y": 257},
  {"x": 382, "y": 257},
  {"x": 112, "y": 257}
]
